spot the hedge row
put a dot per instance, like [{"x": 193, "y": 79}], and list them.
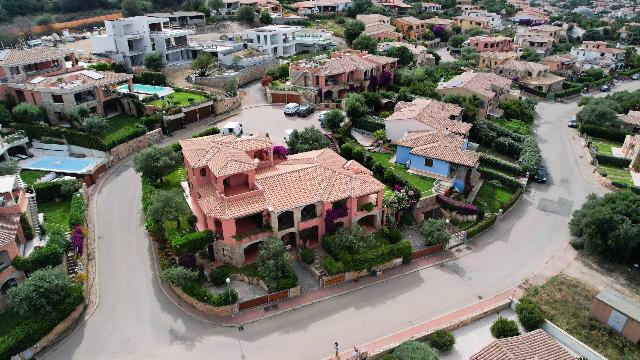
[
  {"x": 131, "y": 133},
  {"x": 28, "y": 332},
  {"x": 210, "y": 131},
  {"x": 629, "y": 72},
  {"x": 340, "y": 261},
  {"x": 150, "y": 78},
  {"x": 78, "y": 207},
  {"x": 604, "y": 159},
  {"x": 568, "y": 92},
  {"x": 620, "y": 185},
  {"x": 481, "y": 226},
  {"x": 506, "y": 180},
  {"x": 56, "y": 190},
  {"x": 500, "y": 164},
  {"x": 604, "y": 132},
  {"x": 370, "y": 124},
  {"x": 190, "y": 242}
]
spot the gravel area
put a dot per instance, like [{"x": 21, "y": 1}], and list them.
[
  {"x": 417, "y": 241},
  {"x": 306, "y": 280},
  {"x": 245, "y": 291}
]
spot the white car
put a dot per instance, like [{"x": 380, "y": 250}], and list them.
[
  {"x": 287, "y": 133},
  {"x": 321, "y": 117},
  {"x": 291, "y": 109}
]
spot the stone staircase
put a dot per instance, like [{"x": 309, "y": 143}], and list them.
[
  {"x": 441, "y": 186},
  {"x": 73, "y": 266},
  {"x": 32, "y": 207}
]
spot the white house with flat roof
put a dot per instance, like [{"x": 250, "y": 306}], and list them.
[
  {"x": 285, "y": 40},
  {"x": 128, "y": 40}
]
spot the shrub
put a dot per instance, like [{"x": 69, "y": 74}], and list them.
[
  {"x": 8, "y": 168},
  {"x": 95, "y": 124},
  {"x": 346, "y": 150},
  {"x": 604, "y": 132},
  {"x": 529, "y": 314},
  {"x": 26, "y": 227},
  {"x": 219, "y": 275},
  {"x": 368, "y": 123},
  {"x": 481, "y": 226},
  {"x": 332, "y": 267},
  {"x": 507, "y": 146},
  {"x": 414, "y": 350},
  {"x": 28, "y": 113},
  {"x": 179, "y": 276},
  {"x": 273, "y": 265},
  {"x": 191, "y": 242},
  {"x": 308, "y": 256},
  {"x": 506, "y": 180},
  {"x": 78, "y": 207},
  {"x": 228, "y": 297},
  {"x": 612, "y": 160},
  {"x": 504, "y": 328},
  {"x": 366, "y": 207},
  {"x": 442, "y": 340},
  {"x": 61, "y": 190},
  {"x": 577, "y": 243},
  {"x": 394, "y": 235},
  {"x": 434, "y": 232},
  {"x": 150, "y": 78},
  {"x": 42, "y": 292},
  {"x": 130, "y": 133},
  {"x": 151, "y": 121},
  {"x": 460, "y": 207},
  {"x": 500, "y": 164},
  {"x": 620, "y": 185},
  {"x": 210, "y": 131},
  {"x": 188, "y": 261},
  {"x": 530, "y": 157}
]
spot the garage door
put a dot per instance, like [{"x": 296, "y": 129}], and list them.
[
  {"x": 278, "y": 98},
  {"x": 205, "y": 112},
  {"x": 190, "y": 116}
]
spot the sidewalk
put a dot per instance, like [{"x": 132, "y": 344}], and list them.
[
  {"x": 448, "y": 320},
  {"x": 312, "y": 297}
]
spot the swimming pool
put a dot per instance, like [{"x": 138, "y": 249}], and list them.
[
  {"x": 147, "y": 89},
  {"x": 63, "y": 164}
]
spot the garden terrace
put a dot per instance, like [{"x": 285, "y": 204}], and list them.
[
  {"x": 422, "y": 183},
  {"x": 179, "y": 99}
]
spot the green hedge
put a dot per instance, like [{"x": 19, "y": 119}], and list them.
[
  {"x": 370, "y": 124},
  {"x": 506, "y": 180},
  {"x": 629, "y": 72},
  {"x": 210, "y": 131},
  {"x": 73, "y": 137},
  {"x": 620, "y": 185},
  {"x": 78, "y": 207},
  {"x": 481, "y": 226},
  {"x": 500, "y": 164},
  {"x": 28, "y": 332},
  {"x": 131, "y": 133},
  {"x": 150, "y": 78},
  {"x": 604, "y": 159},
  {"x": 604, "y": 132},
  {"x": 568, "y": 92},
  {"x": 340, "y": 261},
  {"x": 56, "y": 190},
  {"x": 191, "y": 242}
]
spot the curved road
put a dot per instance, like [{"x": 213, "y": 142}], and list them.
[{"x": 134, "y": 320}]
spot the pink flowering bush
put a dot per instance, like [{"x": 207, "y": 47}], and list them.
[
  {"x": 280, "y": 151},
  {"x": 331, "y": 217},
  {"x": 460, "y": 207},
  {"x": 77, "y": 239}
]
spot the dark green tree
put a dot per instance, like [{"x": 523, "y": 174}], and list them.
[
  {"x": 246, "y": 14},
  {"x": 352, "y": 30},
  {"x": 153, "y": 61},
  {"x": 310, "y": 138},
  {"x": 404, "y": 55},
  {"x": 156, "y": 162}
]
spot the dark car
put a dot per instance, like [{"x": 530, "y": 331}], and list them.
[
  {"x": 304, "y": 110},
  {"x": 541, "y": 175},
  {"x": 605, "y": 88}
]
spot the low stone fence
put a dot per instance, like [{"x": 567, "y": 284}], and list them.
[
  {"x": 241, "y": 77},
  {"x": 225, "y": 105},
  {"x": 227, "y": 310},
  {"x": 132, "y": 146},
  {"x": 352, "y": 275},
  {"x": 429, "y": 250},
  {"x": 269, "y": 298}
]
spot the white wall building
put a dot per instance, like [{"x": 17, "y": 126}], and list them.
[
  {"x": 598, "y": 54},
  {"x": 128, "y": 40},
  {"x": 285, "y": 40},
  {"x": 495, "y": 20}
]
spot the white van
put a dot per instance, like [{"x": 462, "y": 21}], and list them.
[{"x": 232, "y": 128}]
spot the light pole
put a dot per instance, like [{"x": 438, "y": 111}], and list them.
[{"x": 228, "y": 289}]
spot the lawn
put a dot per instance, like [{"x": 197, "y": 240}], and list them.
[
  {"x": 30, "y": 176},
  {"x": 179, "y": 99},
  {"x": 118, "y": 125},
  {"x": 56, "y": 214},
  {"x": 173, "y": 180},
  {"x": 604, "y": 146},
  {"x": 566, "y": 302},
  {"x": 494, "y": 197},
  {"x": 490, "y": 151},
  {"x": 422, "y": 183},
  {"x": 616, "y": 174}
]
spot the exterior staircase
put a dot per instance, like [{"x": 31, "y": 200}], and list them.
[
  {"x": 32, "y": 207},
  {"x": 441, "y": 186}
]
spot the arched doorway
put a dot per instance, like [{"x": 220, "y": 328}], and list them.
[
  {"x": 290, "y": 241},
  {"x": 310, "y": 236},
  {"x": 368, "y": 222},
  {"x": 251, "y": 253}
]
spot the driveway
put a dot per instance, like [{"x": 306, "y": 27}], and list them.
[{"x": 135, "y": 320}]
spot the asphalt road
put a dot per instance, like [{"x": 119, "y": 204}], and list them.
[{"x": 134, "y": 320}]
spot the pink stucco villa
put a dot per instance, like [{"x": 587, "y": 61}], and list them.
[
  {"x": 491, "y": 43},
  {"x": 239, "y": 190}
]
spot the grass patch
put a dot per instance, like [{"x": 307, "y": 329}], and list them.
[
  {"x": 30, "y": 176},
  {"x": 330, "y": 25},
  {"x": 494, "y": 197},
  {"x": 490, "y": 151},
  {"x": 173, "y": 180},
  {"x": 56, "y": 214},
  {"x": 566, "y": 302},
  {"x": 118, "y": 125},
  {"x": 604, "y": 146},
  {"x": 517, "y": 126},
  {"x": 8, "y": 320},
  {"x": 422, "y": 183},
  {"x": 180, "y": 99},
  {"x": 616, "y": 174}
]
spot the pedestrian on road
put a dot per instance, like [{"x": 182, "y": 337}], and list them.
[
  {"x": 337, "y": 348},
  {"x": 356, "y": 354}
]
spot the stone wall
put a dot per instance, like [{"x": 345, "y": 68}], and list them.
[
  {"x": 123, "y": 150},
  {"x": 250, "y": 280},
  {"x": 351, "y": 275},
  {"x": 241, "y": 76},
  {"x": 206, "y": 308},
  {"x": 225, "y": 105}
]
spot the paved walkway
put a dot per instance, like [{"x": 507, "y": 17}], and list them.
[{"x": 306, "y": 280}]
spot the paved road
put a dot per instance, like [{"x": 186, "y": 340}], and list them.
[{"x": 135, "y": 321}]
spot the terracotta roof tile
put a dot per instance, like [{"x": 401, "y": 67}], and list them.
[
  {"x": 433, "y": 113},
  {"x": 535, "y": 345},
  {"x": 632, "y": 118},
  {"x": 15, "y": 57},
  {"x": 481, "y": 84},
  {"x": 8, "y": 228}
]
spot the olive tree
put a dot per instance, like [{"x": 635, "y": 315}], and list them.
[
  {"x": 168, "y": 205},
  {"x": 41, "y": 293},
  {"x": 155, "y": 162}
]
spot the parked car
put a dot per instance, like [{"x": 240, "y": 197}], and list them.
[
  {"x": 305, "y": 110},
  {"x": 541, "y": 175},
  {"x": 573, "y": 123},
  {"x": 291, "y": 108},
  {"x": 232, "y": 128},
  {"x": 636, "y": 76},
  {"x": 605, "y": 88},
  {"x": 287, "y": 133},
  {"x": 321, "y": 117}
]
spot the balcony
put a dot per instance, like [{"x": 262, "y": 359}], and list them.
[{"x": 4, "y": 266}]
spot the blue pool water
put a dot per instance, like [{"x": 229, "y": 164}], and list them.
[
  {"x": 62, "y": 164},
  {"x": 147, "y": 89}
]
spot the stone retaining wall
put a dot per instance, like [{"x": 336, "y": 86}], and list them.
[
  {"x": 241, "y": 76},
  {"x": 226, "y": 105},
  {"x": 206, "y": 308},
  {"x": 351, "y": 275},
  {"x": 250, "y": 280},
  {"x": 132, "y": 146}
]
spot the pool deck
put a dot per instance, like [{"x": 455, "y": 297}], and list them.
[
  {"x": 166, "y": 90},
  {"x": 48, "y": 163}
]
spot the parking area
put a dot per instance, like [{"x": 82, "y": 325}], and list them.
[{"x": 258, "y": 117}]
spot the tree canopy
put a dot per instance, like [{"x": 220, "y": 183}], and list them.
[
  {"x": 153, "y": 61},
  {"x": 435, "y": 232},
  {"x": 41, "y": 293},
  {"x": 273, "y": 263},
  {"x": 518, "y": 110},
  {"x": 246, "y": 14},
  {"x": 155, "y": 162},
  {"x": 168, "y": 205},
  {"x": 310, "y": 138},
  {"x": 600, "y": 112},
  {"x": 95, "y": 124},
  {"x": 352, "y": 30},
  {"x": 28, "y": 113},
  {"x": 414, "y": 350},
  {"x": 203, "y": 64},
  {"x": 366, "y": 43},
  {"x": 333, "y": 119},
  {"x": 530, "y": 55},
  {"x": 609, "y": 225},
  {"x": 355, "y": 106},
  {"x": 265, "y": 18},
  {"x": 404, "y": 55}
]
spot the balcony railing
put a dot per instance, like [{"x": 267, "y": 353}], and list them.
[{"x": 4, "y": 266}]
